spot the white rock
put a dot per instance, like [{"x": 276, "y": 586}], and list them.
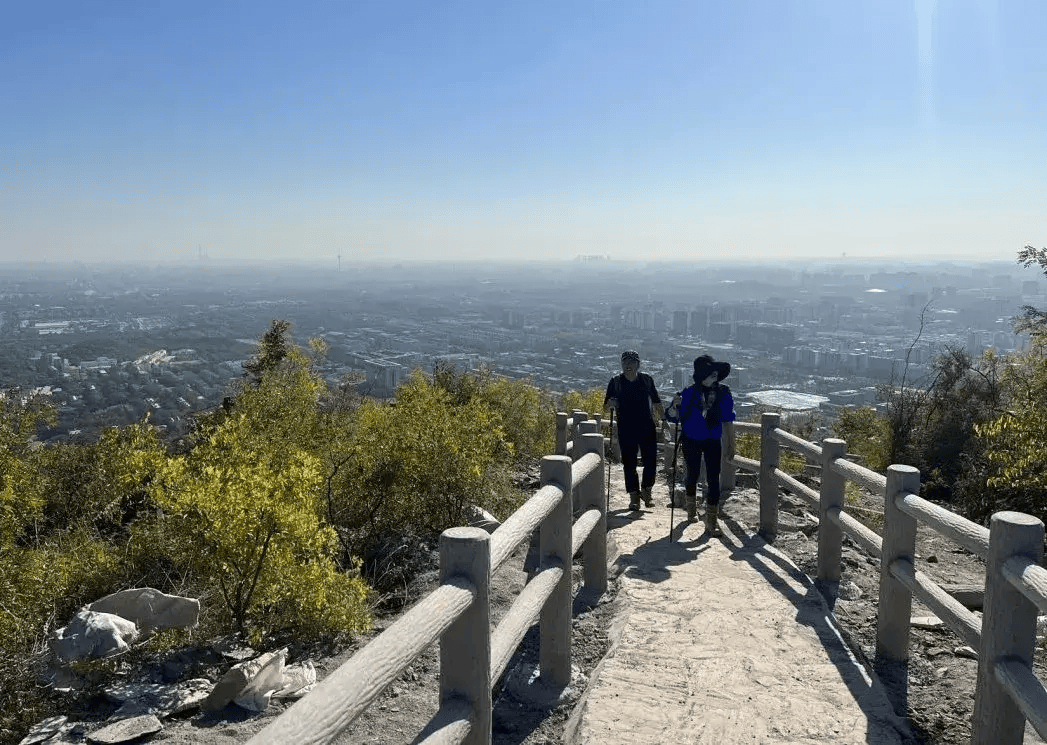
[
  {"x": 298, "y": 680},
  {"x": 478, "y": 517},
  {"x": 926, "y": 622},
  {"x": 91, "y": 634},
  {"x": 265, "y": 677},
  {"x": 150, "y": 608}
]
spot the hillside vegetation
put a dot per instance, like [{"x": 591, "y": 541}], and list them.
[{"x": 269, "y": 510}]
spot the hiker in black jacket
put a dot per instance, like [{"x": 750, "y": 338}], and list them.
[{"x": 633, "y": 396}]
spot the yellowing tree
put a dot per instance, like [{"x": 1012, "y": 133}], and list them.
[
  {"x": 21, "y": 498},
  {"x": 250, "y": 495},
  {"x": 1015, "y": 441},
  {"x": 415, "y": 465},
  {"x": 590, "y": 401}
]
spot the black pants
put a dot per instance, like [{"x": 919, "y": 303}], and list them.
[
  {"x": 638, "y": 437},
  {"x": 693, "y": 452}
]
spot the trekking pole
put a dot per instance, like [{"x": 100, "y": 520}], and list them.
[
  {"x": 672, "y": 483},
  {"x": 610, "y": 449}
]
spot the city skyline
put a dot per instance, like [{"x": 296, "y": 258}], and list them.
[{"x": 462, "y": 131}]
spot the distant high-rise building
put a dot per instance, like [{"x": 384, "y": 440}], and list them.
[
  {"x": 699, "y": 322},
  {"x": 680, "y": 322}
]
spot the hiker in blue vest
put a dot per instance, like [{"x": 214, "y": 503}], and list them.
[
  {"x": 633, "y": 396},
  {"x": 706, "y": 410}
]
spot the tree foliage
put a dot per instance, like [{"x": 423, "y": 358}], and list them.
[
  {"x": 867, "y": 433},
  {"x": 414, "y": 465},
  {"x": 589, "y": 401},
  {"x": 263, "y": 508},
  {"x": 250, "y": 495},
  {"x": 273, "y": 348},
  {"x": 22, "y": 496},
  {"x": 1015, "y": 441},
  {"x": 1033, "y": 320}
]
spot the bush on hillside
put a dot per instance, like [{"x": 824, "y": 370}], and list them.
[
  {"x": 413, "y": 467},
  {"x": 1014, "y": 442},
  {"x": 249, "y": 499},
  {"x": 867, "y": 434}
]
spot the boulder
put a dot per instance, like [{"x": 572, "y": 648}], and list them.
[
  {"x": 48, "y": 729},
  {"x": 266, "y": 677},
  {"x": 150, "y": 608},
  {"x": 91, "y": 634},
  {"x": 163, "y": 700},
  {"x": 125, "y": 730},
  {"x": 251, "y": 685}
]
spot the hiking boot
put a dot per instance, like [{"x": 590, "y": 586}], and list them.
[
  {"x": 648, "y": 500},
  {"x": 692, "y": 504},
  {"x": 712, "y": 525},
  {"x": 634, "y": 500}
]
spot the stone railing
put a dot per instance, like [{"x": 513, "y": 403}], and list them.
[
  {"x": 1008, "y": 692},
  {"x": 458, "y": 613}
]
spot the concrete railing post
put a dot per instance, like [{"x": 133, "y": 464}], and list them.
[
  {"x": 554, "y": 653},
  {"x": 893, "y": 620},
  {"x": 585, "y": 428},
  {"x": 578, "y": 416},
  {"x": 465, "y": 647},
  {"x": 899, "y": 542},
  {"x": 768, "y": 484},
  {"x": 728, "y": 471},
  {"x": 830, "y": 534},
  {"x": 1008, "y": 628},
  {"x": 561, "y": 433},
  {"x": 594, "y": 550}
]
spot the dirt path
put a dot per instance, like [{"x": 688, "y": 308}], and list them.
[{"x": 723, "y": 640}]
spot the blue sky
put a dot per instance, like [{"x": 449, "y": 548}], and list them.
[{"x": 527, "y": 130}]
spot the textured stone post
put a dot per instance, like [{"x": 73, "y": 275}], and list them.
[
  {"x": 586, "y": 427},
  {"x": 561, "y": 433},
  {"x": 830, "y": 534},
  {"x": 465, "y": 648},
  {"x": 554, "y": 653},
  {"x": 768, "y": 485},
  {"x": 578, "y": 416},
  {"x": 728, "y": 471},
  {"x": 899, "y": 542},
  {"x": 594, "y": 550},
  {"x": 892, "y": 622},
  {"x": 1008, "y": 628}
]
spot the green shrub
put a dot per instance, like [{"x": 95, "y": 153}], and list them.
[
  {"x": 867, "y": 434},
  {"x": 414, "y": 466},
  {"x": 589, "y": 401}
]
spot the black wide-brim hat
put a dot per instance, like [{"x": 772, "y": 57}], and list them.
[{"x": 705, "y": 365}]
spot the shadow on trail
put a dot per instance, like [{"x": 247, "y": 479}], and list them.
[
  {"x": 878, "y": 698},
  {"x": 814, "y": 610},
  {"x": 651, "y": 561}
]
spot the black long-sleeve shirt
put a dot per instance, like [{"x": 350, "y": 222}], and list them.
[{"x": 634, "y": 398}]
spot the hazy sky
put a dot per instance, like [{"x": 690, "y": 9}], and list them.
[{"x": 529, "y": 128}]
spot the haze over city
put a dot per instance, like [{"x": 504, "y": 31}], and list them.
[{"x": 464, "y": 130}]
